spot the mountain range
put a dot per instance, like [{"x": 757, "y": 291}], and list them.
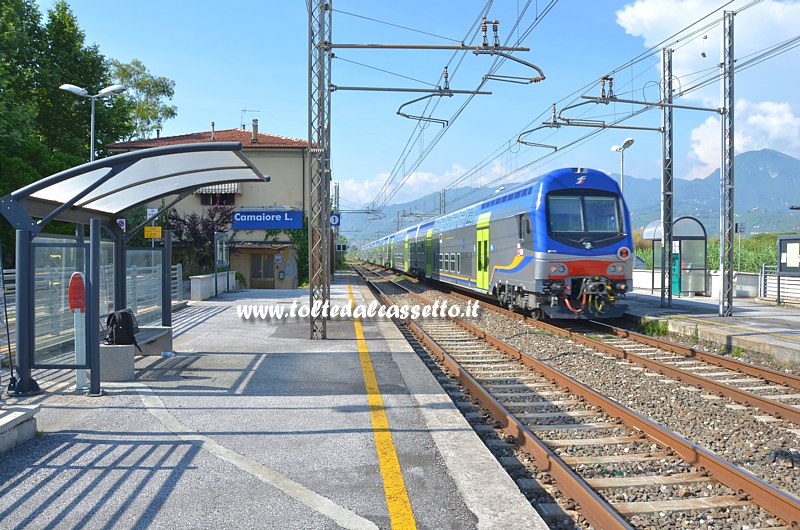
[{"x": 766, "y": 184}]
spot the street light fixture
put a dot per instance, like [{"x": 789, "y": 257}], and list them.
[
  {"x": 621, "y": 148},
  {"x": 78, "y": 91}
]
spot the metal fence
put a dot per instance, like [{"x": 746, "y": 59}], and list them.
[
  {"x": 53, "y": 323},
  {"x": 780, "y": 287}
]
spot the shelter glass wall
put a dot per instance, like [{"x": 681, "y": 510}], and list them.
[
  {"x": 143, "y": 273},
  {"x": 55, "y": 259},
  {"x": 53, "y": 324},
  {"x": 693, "y": 266}
]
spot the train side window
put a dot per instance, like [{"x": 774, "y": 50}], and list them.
[
  {"x": 528, "y": 225},
  {"x": 458, "y": 262},
  {"x": 520, "y": 227},
  {"x": 452, "y": 262}
]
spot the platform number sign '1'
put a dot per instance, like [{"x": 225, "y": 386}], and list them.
[{"x": 336, "y": 219}]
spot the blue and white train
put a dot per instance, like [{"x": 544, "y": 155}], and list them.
[{"x": 559, "y": 247}]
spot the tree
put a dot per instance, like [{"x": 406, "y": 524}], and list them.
[
  {"x": 63, "y": 119},
  {"x": 194, "y": 235},
  {"x": 146, "y": 93},
  {"x": 44, "y": 130}
]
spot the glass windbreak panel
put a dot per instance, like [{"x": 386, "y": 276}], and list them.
[
  {"x": 54, "y": 323},
  {"x": 106, "y": 278},
  {"x": 657, "y": 254},
  {"x": 601, "y": 214},
  {"x": 143, "y": 274},
  {"x": 693, "y": 266},
  {"x": 693, "y": 255}
]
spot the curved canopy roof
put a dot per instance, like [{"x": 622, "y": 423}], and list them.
[
  {"x": 683, "y": 228},
  {"x": 108, "y": 187}
]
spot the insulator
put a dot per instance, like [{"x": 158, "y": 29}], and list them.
[{"x": 484, "y": 29}]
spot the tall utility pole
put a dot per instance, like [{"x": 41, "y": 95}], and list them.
[
  {"x": 319, "y": 67},
  {"x": 726, "y": 172},
  {"x": 666, "y": 178}
]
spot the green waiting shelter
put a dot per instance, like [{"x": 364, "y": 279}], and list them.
[{"x": 688, "y": 257}]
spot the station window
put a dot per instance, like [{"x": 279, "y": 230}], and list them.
[{"x": 217, "y": 199}]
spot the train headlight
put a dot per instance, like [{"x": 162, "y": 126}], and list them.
[
  {"x": 615, "y": 269},
  {"x": 624, "y": 253},
  {"x": 558, "y": 269}
]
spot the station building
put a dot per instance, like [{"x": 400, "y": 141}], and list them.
[{"x": 275, "y": 205}]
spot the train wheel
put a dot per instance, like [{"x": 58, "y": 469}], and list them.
[{"x": 537, "y": 314}]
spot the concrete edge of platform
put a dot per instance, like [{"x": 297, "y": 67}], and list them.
[
  {"x": 17, "y": 425},
  {"x": 486, "y": 488},
  {"x": 722, "y": 338}
]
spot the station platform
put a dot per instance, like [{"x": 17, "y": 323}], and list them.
[
  {"x": 252, "y": 425},
  {"x": 754, "y": 326}
]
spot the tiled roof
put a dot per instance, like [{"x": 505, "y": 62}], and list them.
[{"x": 245, "y": 136}]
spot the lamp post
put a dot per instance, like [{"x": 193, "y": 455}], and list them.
[
  {"x": 78, "y": 91},
  {"x": 621, "y": 148}
]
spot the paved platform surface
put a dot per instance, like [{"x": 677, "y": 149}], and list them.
[
  {"x": 252, "y": 425},
  {"x": 755, "y": 325}
]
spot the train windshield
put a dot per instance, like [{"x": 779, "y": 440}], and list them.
[{"x": 595, "y": 214}]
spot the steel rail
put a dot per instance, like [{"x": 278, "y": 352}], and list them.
[
  {"x": 777, "y": 409},
  {"x": 768, "y": 497},
  {"x": 761, "y": 372}
]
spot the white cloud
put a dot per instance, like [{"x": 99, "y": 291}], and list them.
[
  {"x": 765, "y": 24},
  {"x": 418, "y": 184},
  {"x": 757, "y": 126},
  {"x": 706, "y": 142}
]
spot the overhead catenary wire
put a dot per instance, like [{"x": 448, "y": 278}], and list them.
[
  {"x": 383, "y": 198},
  {"x": 691, "y": 82},
  {"x": 395, "y": 25},
  {"x": 678, "y": 37}
]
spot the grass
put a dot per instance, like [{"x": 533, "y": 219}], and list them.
[
  {"x": 654, "y": 328},
  {"x": 737, "y": 352}
]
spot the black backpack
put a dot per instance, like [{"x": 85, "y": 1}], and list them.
[{"x": 122, "y": 328}]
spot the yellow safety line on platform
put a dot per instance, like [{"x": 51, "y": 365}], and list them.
[
  {"x": 742, "y": 328},
  {"x": 394, "y": 486}
]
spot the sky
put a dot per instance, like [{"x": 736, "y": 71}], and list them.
[{"x": 233, "y": 62}]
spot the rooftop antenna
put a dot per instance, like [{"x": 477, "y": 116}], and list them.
[{"x": 242, "y": 116}]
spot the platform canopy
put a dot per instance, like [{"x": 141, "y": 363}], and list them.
[{"x": 109, "y": 187}]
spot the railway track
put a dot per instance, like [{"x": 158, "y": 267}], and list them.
[
  {"x": 773, "y": 392},
  {"x": 617, "y": 468}
]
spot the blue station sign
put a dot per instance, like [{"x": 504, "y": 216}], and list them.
[{"x": 268, "y": 220}]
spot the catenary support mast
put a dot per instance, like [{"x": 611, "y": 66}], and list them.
[{"x": 319, "y": 38}]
